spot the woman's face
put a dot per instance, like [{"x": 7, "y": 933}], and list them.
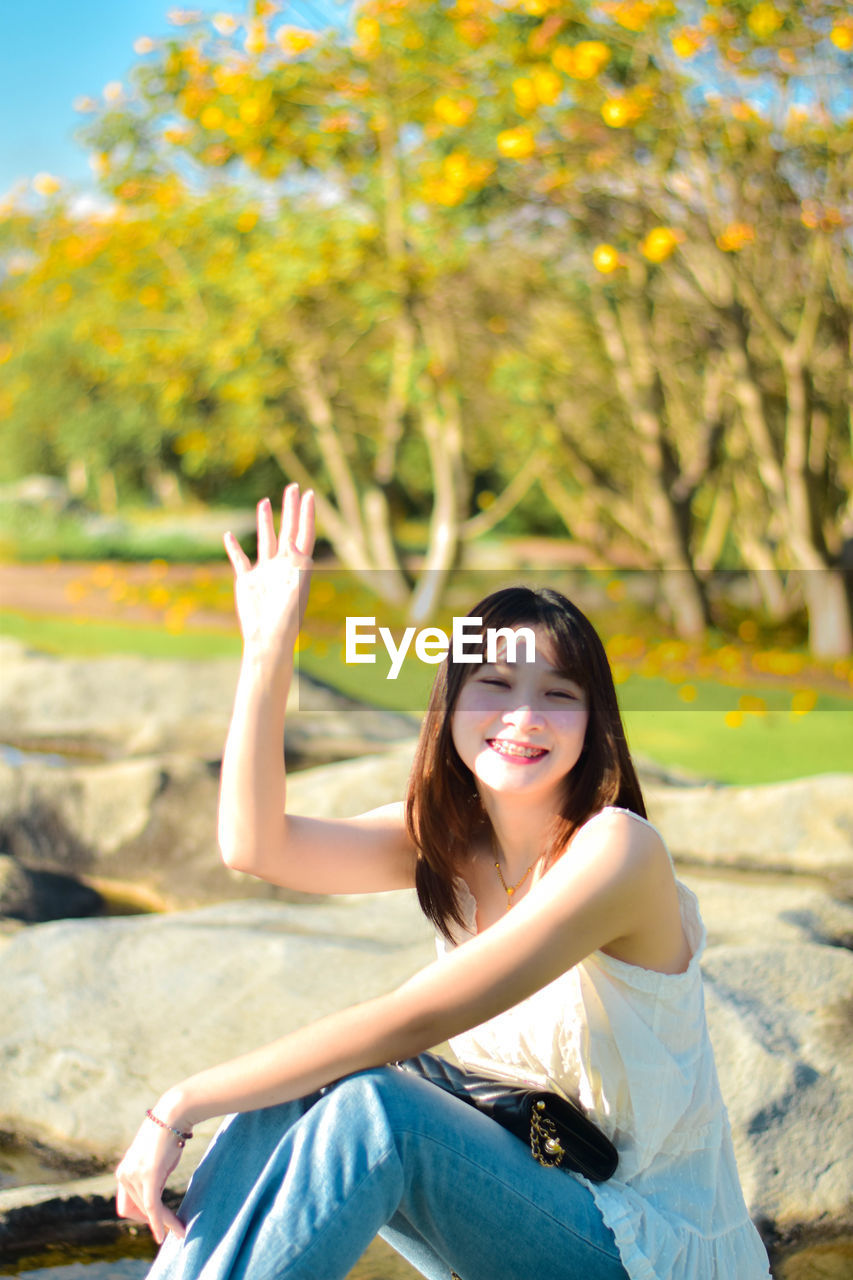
[{"x": 519, "y": 726}]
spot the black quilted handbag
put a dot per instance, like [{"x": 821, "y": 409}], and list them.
[{"x": 557, "y": 1131}]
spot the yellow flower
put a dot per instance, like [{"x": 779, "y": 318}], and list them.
[
  {"x": 143, "y": 45},
  {"x": 605, "y": 258},
  {"x": 803, "y": 701},
  {"x": 225, "y": 23},
  {"x": 764, "y": 20},
  {"x": 113, "y": 91},
  {"x": 295, "y": 39},
  {"x": 247, "y": 220},
  {"x": 633, "y": 16},
  {"x": 212, "y": 118},
  {"x": 454, "y": 111},
  {"x": 250, "y": 110},
  {"x": 618, "y": 112},
  {"x": 525, "y": 95},
  {"x": 660, "y": 243},
  {"x": 734, "y": 719},
  {"x": 735, "y": 236},
  {"x": 516, "y": 144},
  {"x": 582, "y": 61},
  {"x": 687, "y": 42},
  {"x": 256, "y": 38},
  {"x": 45, "y": 184},
  {"x": 687, "y": 693},
  {"x": 547, "y": 85},
  {"x": 842, "y": 38}
]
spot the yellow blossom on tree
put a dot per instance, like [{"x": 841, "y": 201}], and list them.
[
  {"x": 143, "y": 45},
  {"x": 454, "y": 111},
  {"x": 764, "y": 20},
  {"x": 618, "y": 112},
  {"x": 605, "y": 258},
  {"x": 517, "y": 144},
  {"x": 251, "y": 110},
  {"x": 247, "y": 220},
  {"x": 212, "y": 118},
  {"x": 368, "y": 32},
  {"x": 735, "y": 236},
  {"x": 256, "y": 38},
  {"x": 687, "y": 42},
  {"x": 842, "y": 37},
  {"x": 175, "y": 134},
  {"x": 660, "y": 243},
  {"x": 525, "y": 95},
  {"x": 582, "y": 61},
  {"x": 633, "y": 15},
  {"x": 113, "y": 92},
  {"x": 45, "y": 184},
  {"x": 295, "y": 39},
  {"x": 225, "y": 23},
  {"x": 547, "y": 85}
]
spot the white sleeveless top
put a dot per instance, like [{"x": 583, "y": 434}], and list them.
[{"x": 632, "y": 1046}]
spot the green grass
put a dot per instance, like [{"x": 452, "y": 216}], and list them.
[
  {"x": 95, "y": 639},
  {"x": 748, "y": 747},
  {"x": 771, "y": 748}
]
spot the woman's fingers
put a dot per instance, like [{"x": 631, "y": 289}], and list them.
[
  {"x": 239, "y": 560},
  {"x": 266, "y": 530},
  {"x": 304, "y": 539}
]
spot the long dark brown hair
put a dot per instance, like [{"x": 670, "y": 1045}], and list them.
[{"x": 444, "y": 814}]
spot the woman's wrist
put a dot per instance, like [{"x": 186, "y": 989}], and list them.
[{"x": 173, "y": 1110}]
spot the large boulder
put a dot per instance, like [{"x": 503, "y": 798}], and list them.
[
  {"x": 804, "y": 825},
  {"x": 97, "y": 1017},
  {"x": 144, "y": 830},
  {"x": 125, "y": 705},
  {"x": 781, "y": 1020}
]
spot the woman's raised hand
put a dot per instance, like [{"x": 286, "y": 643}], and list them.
[{"x": 271, "y": 596}]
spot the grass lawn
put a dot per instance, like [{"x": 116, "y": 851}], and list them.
[{"x": 738, "y": 731}]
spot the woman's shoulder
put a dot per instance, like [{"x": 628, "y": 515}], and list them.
[{"x": 615, "y": 818}]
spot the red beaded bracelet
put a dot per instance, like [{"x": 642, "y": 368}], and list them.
[{"x": 183, "y": 1138}]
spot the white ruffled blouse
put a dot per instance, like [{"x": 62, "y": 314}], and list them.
[{"x": 632, "y": 1046}]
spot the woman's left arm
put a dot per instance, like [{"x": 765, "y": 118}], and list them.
[{"x": 603, "y": 891}]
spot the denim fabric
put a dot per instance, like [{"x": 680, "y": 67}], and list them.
[{"x": 298, "y": 1191}]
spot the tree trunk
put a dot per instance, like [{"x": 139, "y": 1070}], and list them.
[{"x": 828, "y": 606}]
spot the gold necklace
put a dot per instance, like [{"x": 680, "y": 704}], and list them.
[{"x": 510, "y": 889}]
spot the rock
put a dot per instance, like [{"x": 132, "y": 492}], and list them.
[
  {"x": 33, "y": 896},
  {"x": 744, "y": 907},
  {"x": 131, "y": 706},
  {"x": 781, "y": 1019},
  {"x": 804, "y": 826},
  {"x": 145, "y": 829},
  {"x": 98, "y": 1017}
]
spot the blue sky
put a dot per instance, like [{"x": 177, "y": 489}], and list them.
[{"x": 53, "y": 51}]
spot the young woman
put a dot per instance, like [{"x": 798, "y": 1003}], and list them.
[{"x": 568, "y": 951}]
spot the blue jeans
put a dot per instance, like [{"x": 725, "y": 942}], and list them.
[{"x": 298, "y": 1191}]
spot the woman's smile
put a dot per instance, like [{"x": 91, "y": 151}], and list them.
[{"x": 518, "y": 752}]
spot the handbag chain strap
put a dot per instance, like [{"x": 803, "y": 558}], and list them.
[{"x": 544, "y": 1143}]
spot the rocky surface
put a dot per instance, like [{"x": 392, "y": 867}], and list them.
[
  {"x": 130, "y": 706},
  {"x": 98, "y": 1015},
  {"x": 803, "y": 826}
]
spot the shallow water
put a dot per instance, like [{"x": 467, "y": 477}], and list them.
[{"x": 114, "y": 1263}]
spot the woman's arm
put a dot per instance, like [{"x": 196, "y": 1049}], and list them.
[
  {"x": 605, "y": 891},
  {"x": 364, "y": 854}
]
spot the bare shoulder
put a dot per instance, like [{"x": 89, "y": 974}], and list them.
[{"x": 623, "y": 837}]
